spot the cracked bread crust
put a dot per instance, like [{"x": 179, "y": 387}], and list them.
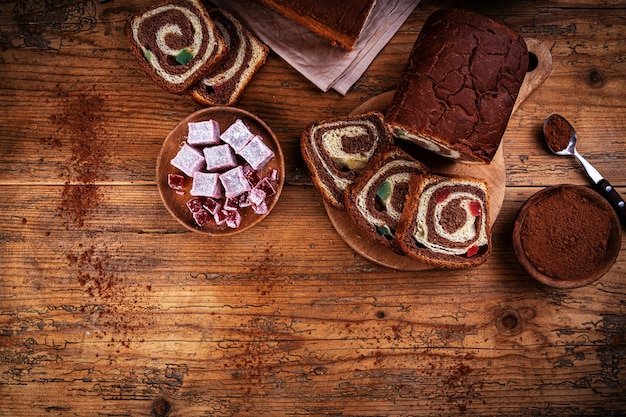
[{"x": 458, "y": 89}]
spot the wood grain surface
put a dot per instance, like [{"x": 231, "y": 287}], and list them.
[{"x": 110, "y": 307}]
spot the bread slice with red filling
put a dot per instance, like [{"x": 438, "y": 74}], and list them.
[{"x": 446, "y": 222}]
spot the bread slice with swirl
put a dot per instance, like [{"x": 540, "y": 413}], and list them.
[
  {"x": 376, "y": 198},
  {"x": 176, "y": 43},
  {"x": 246, "y": 55},
  {"x": 445, "y": 221},
  {"x": 336, "y": 150}
]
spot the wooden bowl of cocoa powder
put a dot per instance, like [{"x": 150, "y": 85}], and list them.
[{"x": 567, "y": 236}]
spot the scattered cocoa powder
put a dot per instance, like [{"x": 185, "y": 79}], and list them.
[
  {"x": 77, "y": 200},
  {"x": 565, "y": 235},
  {"x": 80, "y": 121},
  {"x": 114, "y": 305}
]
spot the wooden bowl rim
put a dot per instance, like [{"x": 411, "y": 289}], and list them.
[
  {"x": 613, "y": 245},
  {"x": 207, "y": 114}
]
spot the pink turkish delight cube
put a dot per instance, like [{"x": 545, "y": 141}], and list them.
[
  {"x": 256, "y": 196},
  {"x": 233, "y": 219},
  {"x": 266, "y": 185},
  {"x": 212, "y": 205},
  {"x": 256, "y": 153},
  {"x": 175, "y": 181},
  {"x": 194, "y": 204},
  {"x": 206, "y": 184},
  {"x": 219, "y": 157},
  {"x": 201, "y": 217},
  {"x": 188, "y": 160},
  {"x": 203, "y": 133},
  {"x": 237, "y": 135},
  {"x": 234, "y": 182}
]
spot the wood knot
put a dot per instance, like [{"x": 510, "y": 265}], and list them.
[
  {"x": 320, "y": 370},
  {"x": 595, "y": 78},
  {"x": 160, "y": 407},
  {"x": 509, "y": 322}
]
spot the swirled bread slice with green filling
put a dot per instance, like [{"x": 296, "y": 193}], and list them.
[
  {"x": 246, "y": 55},
  {"x": 336, "y": 150},
  {"x": 375, "y": 200},
  {"x": 176, "y": 43},
  {"x": 445, "y": 221}
]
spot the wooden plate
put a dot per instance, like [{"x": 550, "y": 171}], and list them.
[
  {"x": 176, "y": 203},
  {"x": 494, "y": 173}
]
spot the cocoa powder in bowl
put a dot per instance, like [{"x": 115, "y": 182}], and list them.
[{"x": 567, "y": 236}]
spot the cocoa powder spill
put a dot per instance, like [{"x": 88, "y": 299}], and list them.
[
  {"x": 113, "y": 304},
  {"x": 565, "y": 235},
  {"x": 81, "y": 123}
]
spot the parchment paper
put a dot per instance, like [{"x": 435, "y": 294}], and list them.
[{"x": 324, "y": 65}]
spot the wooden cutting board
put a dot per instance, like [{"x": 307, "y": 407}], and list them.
[{"x": 494, "y": 173}]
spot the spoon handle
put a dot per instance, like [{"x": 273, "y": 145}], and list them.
[{"x": 614, "y": 198}]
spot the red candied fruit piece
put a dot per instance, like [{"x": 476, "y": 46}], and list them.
[
  {"x": 244, "y": 200},
  {"x": 211, "y": 205},
  {"x": 251, "y": 175},
  {"x": 260, "y": 208},
  {"x": 473, "y": 250},
  {"x": 266, "y": 186},
  {"x": 175, "y": 181},
  {"x": 220, "y": 217},
  {"x": 233, "y": 219},
  {"x": 475, "y": 208},
  {"x": 231, "y": 204},
  {"x": 442, "y": 195},
  {"x": 201, "y": 217},
  {"x": 194, "y": 205}
]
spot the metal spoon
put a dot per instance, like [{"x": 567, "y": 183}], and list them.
[{"x": 556, "y": 127}]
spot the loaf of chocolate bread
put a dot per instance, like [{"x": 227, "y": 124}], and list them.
[
  {"x": 458, "y": 88},
  {"x": 340, "y": 21}
]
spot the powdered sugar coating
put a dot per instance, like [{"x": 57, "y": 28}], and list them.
[
  {"x": 219, "y": 158},
  {"x": 203, "y": 133},
  {"x": 206, "y": 184},
  {"x": 237, "y": 135},
  {"x": 234, "y": 182},
  {"x": 256, "y": 153},
  {"x": 188, "y": 160}
]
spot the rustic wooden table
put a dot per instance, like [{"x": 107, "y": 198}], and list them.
[{"x": 109, "y": 307}]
